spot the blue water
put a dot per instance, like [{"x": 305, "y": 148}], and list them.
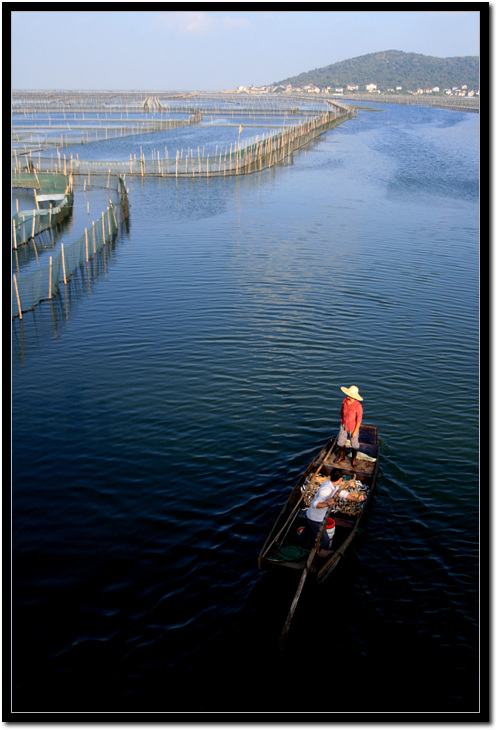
[{"x": 164, "y": 404}]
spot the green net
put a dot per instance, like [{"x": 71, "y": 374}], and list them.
[
  {"x": 29, "y": 290},
  {"x": 28, "y": 224},
  {"x": 53, "y": 191},
  {"x": 46, "y": 182}
]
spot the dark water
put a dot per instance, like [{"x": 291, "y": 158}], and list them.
[{"x": 164, "y": 405}]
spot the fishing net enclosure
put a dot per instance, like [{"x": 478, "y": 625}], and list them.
[
  {"x": 30, "y": 289},
  {"x": 45, "y": 123},
  {"x": 56, "y": 190},
  {"x": 64, "y": 119}
]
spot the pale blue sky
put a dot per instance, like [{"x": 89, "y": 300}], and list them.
[{"x": 213, "y": 50}]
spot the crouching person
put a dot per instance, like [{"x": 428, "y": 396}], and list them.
[{"x": 319, "y": 506}]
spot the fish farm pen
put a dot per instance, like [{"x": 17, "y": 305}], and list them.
[
  {"x": 44, "y": 124},
  {"x": 53, "y": 132},
  {"x": 41, "y": 237},
  {"x": 57, "y": 195}
]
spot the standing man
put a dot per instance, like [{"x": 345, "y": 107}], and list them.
[{"x": 350, "y": 420}]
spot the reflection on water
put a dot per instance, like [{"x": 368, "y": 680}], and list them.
[{"x": 33, "y": 330}]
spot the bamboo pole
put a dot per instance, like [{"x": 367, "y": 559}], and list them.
[
  {"x": 14, "y": 232},
  {"x": 335, "y": 558},
  {"x": 18, "y": 298},
  {"x": 63, "y": 262},
  {"x": 50, "y": 279},
  {"x": 303, "y": 578},
  {"x": 295, "y": 510},
  {"x": 86, "y": 243},
  {"x": 36, "y": 253}
]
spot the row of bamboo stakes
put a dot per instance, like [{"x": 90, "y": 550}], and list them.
[
  {"x": 211, "y": 104},
  {"x": 122, "y": 191},
  {"x": 196, "y": 114},
  {"x": 98, "y": 134},
  {"x": 238, "y": 160}
]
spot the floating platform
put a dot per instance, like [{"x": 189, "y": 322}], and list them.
[{"x": 53, "y": 199}]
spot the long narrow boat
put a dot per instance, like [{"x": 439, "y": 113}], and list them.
[{"x": 285, "y": 549}]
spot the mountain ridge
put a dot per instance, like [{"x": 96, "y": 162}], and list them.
[{"x": 391, "y": 69}]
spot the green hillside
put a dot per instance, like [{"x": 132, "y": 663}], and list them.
[{"x": 390, "y": 69}]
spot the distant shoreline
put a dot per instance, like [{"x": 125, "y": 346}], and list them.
[{"x": 462, "y": 103}]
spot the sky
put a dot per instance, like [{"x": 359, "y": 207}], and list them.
[{"x": 204, "y": 50}]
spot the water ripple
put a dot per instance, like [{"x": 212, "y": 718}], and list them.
[{"x": 162, "y": 415}]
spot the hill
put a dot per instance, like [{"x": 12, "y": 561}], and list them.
[{"x": 390, "y": 69}]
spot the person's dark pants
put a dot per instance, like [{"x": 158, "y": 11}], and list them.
[{"x": 315, "y": 527}]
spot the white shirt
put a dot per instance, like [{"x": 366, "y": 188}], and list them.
[{"x": 325, "y": 491}]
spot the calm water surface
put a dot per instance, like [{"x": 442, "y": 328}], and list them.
[{"x": 165, "y": 403}]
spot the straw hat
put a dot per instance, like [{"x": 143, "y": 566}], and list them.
[{"x": 352, "y": 392}]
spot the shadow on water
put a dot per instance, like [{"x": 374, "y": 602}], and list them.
[
  {"x": 339, "y": 636},
  {"x": 343, "y": 637},
  {"x": 48, "y": 317},
  {"x": 126, "y": 636}
]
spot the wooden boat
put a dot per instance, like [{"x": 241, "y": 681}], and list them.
[{"x": 285, "y": 549}]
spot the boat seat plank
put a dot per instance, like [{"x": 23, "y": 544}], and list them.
[
  {"x": 342, "y": 522},
  {"x": 365, "y": 468}
]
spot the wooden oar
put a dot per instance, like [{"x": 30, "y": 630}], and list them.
[
  {"x": 294, "y": 512},
  {"x": 303, "y": 579},
  {"x": 329, "y": 566}
]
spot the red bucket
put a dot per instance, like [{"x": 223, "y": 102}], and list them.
[{"x": 330, "y": 528}]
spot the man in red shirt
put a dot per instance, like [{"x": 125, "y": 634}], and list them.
[{"x": 350, "y": 420}]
